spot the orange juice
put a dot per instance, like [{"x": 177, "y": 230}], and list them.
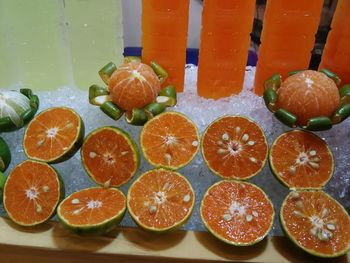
[
  {"x": 336, "y": 55},
  {"x": 223, "y": 52},
  {"x": 164, "y": 37},
  {"x": 287, "y": 38}
]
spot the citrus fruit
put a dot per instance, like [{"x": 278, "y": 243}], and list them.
[
  {"x": 94, "y": 210},
  {"x": 17, "y": 108},
  {"x": 308, "y": 94},
  {"x": 160, "y": 200},
  {"x": 2, "y": 183},
  {"x": 169, "y": 140},
  {"x": 234, "y": 147},
  {"x": 110, "y": 156},
  {"x": 316, "y": 223},
  {"x": 54, "y": 135},
  {"x": 5, "y": 155},
  {"x": 133, "y": 85},
  {"x": 238, "y": 213},
  {"x": 32, "y": 192},
  {"x": 301, "y": 159}
]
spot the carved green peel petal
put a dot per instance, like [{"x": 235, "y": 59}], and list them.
[
  {"x": 331, "y": 75},
  {"x": 286, "y": 117},
  {"x": 341, "y": 114},
  {"x": 319, "y": 124},
  {"x": 106, "y": 72}
]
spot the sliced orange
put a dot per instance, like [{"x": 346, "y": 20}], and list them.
[
  {"x": 54, "y": 135},
  {"x": 308, "y": 94},
  {"x": 160, "y": 200},
  {"x": 170, "y": 140},
  {"x": 110, "y": 156},
  {"x": 32, "y": 192},
  {"x": 238, "y": 213},
  {"x": 301, "y": 159},
  {"x": 234, "y": 147},
  {"x": 94, "y": 210},
  {"x": 316, "y": 223}
]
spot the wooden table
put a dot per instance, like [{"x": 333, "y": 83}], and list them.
[{"x": 51, "y": 243}]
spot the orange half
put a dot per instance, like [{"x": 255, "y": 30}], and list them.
[
  {"x": 170, "y": 140},
  {"x": 31, "y": 193},
  {"x": 238, "y": 213},
  {"x": 54, "y": 135},
  {"x": 110, "y": 156},
  {"x": 160, "y": 200},
  {"x": 316, "y": 223},
  {"x": 301, "y": 159},
  {"x": 93, "y": 210},
  {"x": 234, "y": 147}
]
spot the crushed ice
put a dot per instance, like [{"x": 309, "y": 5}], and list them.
[{"x": 202, "y": 112}]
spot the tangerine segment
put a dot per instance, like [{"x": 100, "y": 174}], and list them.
[
  {"x": 160, "y": 200},
  {"x": 301, "y": 159},
  {"x": 316, "y": 223},
  {"x": 31, "y": 193},
  {"x": 237, "y": 213},
  {"x": 170, "y": 140},
  {"x": 53, "y": 135},
  {"x": 308, "y": 94},
  {"x": 110, "y": 156},
  {"x": 92, "y": 207},
  {"x": 133, "y": 85},
  {"x": 234, "y": 147}
]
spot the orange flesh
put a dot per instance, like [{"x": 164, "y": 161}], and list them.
[
  {"x": 336, "y": 54},
  {"x": 232, "y": 158},
  {"x": 308, "y": 94},
  {"x": 290, "y": 148},
  {"x": 108, "y": 157},
  {"x": 51, "y": 134},
  {"x": 133, "y": 85},
  {"x": 31, "y": 193},
  {"x": 299, "y": 227},
  {"x": 164, "y": 37},
  {"x": 299, "y": 19},
  {"x": 169, "y": 140},
  {"x": 227, "y": 206},
  {"x": 226, "y": 26},
  {"x": 166, "y": 200},
  {"x": 92, "y": 206}
]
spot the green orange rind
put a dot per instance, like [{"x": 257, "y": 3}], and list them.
[
  {"x": 344, "y": 93},
  {"x": 231, "y": 178},
  {"x": 94, "y": 229},
  {"x": 163, "y": 166},
  {"x": 239, "y": 244},
  {"x": 290, "y": 236},
  {"x": 331, "y": 75},
  {"x": 129, "y": 59},
  {"x": 278, "y": 177},
  {"x": 98, "y": 95},
  {"x": 5, "y": 155},
  {"x": 2, "y": 184},
  {"x": 160, "y": 71},
  {"x": 111, "y": 110},
  {"x": 107, "y": 71},
  {"x": 6, "y": 125},
  {"x": 321, "y": 123},
  {"x": 166, "y": 229},
  {"x": 132, "y": 144},
  {"x": 68, "y": 153},
  {"x": 137, "y": 117},
  {"x": 52, "y": 214}
]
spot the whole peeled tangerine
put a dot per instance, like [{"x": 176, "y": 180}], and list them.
[
  {"x": 308, "y": 94},
  {"x": 133, "y": 85}
]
